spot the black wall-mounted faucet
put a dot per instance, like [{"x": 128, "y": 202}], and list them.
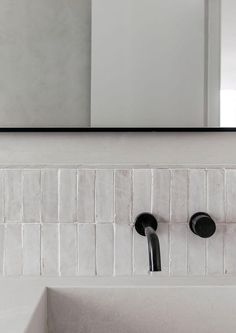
[{"x": 146, "y": 225}]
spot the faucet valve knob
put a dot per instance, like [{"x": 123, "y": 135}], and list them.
[{"x": 202, "y": 225}]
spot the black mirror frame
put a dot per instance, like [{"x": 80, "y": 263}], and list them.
[{"x": 117, "y": 129}]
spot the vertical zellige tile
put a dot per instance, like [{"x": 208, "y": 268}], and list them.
[
  {"x": 49, "y": 249},
  {"x": 68, "y": 249},
  {"x": 216, "y": 194},
  {"x": 179, "y": 196},
  {"x": 123, "y": 249},
  {"x": 86, "y": 196},
  {"x": 104, "y": 196},
  {"x": 123, "y": 196},
  {"x": 196, "y": 254},
  {"x": 31, "y": 195},
  {"x": 2, "y": 245},
  {"x": 31, "y": 249},
  {"x": 87, "y": 251},
  {"x": 49, "y": 179},
  {"x": 104, "y": 249},
  {"x": 197, "y": 191},
  {"x": 161, "y": 194},
  {"x": 230, "y": 249},
  {"x": 13, "y": 250},
  {"x": 67, "y": 195},
  {"x": 142, "y": 183},
  {"x": 230, "y": 195},
  {"x": 2, "y": 196},
  {"x": 13, "y": 195},
  {"x": 178, "y": 249},
  {"x": 140, "y": 260},
  {"x": 215, "y": 252}
]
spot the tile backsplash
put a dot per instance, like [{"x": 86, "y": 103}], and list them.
[{"x": 79, "y": 221}]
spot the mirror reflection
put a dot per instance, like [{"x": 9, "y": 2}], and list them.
[{"x": 118, "y": 63}]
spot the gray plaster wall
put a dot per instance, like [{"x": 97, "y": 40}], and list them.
[{"x": 45, "y": 62}]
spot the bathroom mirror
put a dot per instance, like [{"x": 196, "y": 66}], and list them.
[{"x": 117, "y": 64}]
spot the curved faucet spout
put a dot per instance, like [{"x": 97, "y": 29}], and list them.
[
  {"x": 146, "y": 225},
  {"x": 153, "y": 250}
]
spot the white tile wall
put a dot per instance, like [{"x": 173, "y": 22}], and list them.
[
  {"x": 216, "y": 194},
  {"x": 140, "y": 251},
  {"x": 161, "y": 194},
  {"x": 178, "y": 249},
  {"x": 179, "y": 196},
  {"x": 196, "y": 256},
  {"x": 31, "y": 196},
  {"x": 215, "y": 252},
  {"x": 49, "y": 179},
  {"x": 67, "y": 195},
  {"x": 104, "y": 249},
  {"x": 142, "y": 190},
  {"x": 13, "y": 250},
  {"x": 123, "y": 249},
  {"x": 2, "y": 244},
  {"x": 230, "y": 241},
  {"x": 68, "y": 249},
  {"x": 2, "y": 195},
  {"x": 104, "y": 191},
  {"x": 50, "y": 249},
  {"x": 13, "y": 195},
  {"x": 163, "y": 234},
  {"x": 31, "y": 249},
  {"x": 230, "y": 195},
  {"x": 79, "y": 221},
  {"x": 86, "y": 196},
  {"x": 197, "y": 191},
  {"x": 87, "y": 249},
  {"x": 123, "y": 196}
]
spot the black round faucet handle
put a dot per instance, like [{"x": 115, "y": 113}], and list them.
[
  {"x": 145, "y": 220},
  {"x": 202, "y": 225}
]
